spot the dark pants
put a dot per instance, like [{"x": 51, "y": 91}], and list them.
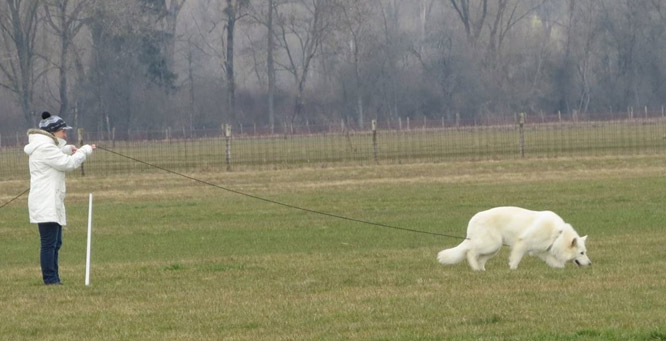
[{"x": 51, "y": 237}]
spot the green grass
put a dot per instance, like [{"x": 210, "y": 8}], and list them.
[{"x": 174, "y": 259}]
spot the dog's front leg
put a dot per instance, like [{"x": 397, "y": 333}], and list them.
[
  {"x": 554, "y": 262},
  {"x": 517, "y": 253}
]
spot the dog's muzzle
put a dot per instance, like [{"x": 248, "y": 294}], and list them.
[{"x": 581, "y": 264}]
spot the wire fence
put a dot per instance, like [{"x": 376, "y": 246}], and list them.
[{"x": 395, "y": 142}]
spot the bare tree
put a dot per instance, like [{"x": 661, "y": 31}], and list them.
[
  {"x": 270, "y": 64},
  {"x": 233, "y": 14},
  {"x": 263, "y": 15},
  {"x": 507, "y": 14},
  {"x": 66, "y": 23},
  {"x": 170, "y": 13},
  {"x": 300, "y": 37},
  {"x": 473, "y": 22},
  {"x": 356, "y": 22},
  {"x": 18, "y": 30},
  {"x": 424, "y": 12},
  {"x": 389, "y": 13}
]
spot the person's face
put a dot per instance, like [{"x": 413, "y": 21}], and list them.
[{"x": 61, "y": 134}]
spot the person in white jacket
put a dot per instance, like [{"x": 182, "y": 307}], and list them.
[{"x": 49, "y": 158}]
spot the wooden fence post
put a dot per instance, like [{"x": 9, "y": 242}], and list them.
[
  {"x": 522, "y": 134},
  {"x": 374, "y": 139},
  {"x": 227, "y": 137},
  {"x": 80, "y": 133}
]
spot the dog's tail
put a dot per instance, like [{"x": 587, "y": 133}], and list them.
[{"x": 454, "y": 255}]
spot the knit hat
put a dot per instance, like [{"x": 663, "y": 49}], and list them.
[{"x": 52, "y": 123}]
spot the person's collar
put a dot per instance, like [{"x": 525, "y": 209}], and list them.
[{"x": 45, "y": 133}]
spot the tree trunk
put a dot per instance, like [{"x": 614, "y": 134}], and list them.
[
  {"x": 21, "y": 29},
  {"x": 231, "y": 83},
  {"x": 271, "y": 69},
  {"x": 62, "y": 69},
  {"x": 359, "y": 95},
  {"x": 171, "y": 20}
]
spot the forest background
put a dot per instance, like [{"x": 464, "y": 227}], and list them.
[{"x": 139, "y": 65}]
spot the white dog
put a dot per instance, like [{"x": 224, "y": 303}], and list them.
[{"x": 542, "y": 234}]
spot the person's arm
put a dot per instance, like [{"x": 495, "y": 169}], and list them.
[
  {"x": 58, "y": 159},
  {"x": 69, "y": 149}
]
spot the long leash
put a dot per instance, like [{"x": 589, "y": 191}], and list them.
[
  {"x": 277, "y": 202},
  {"x": 16, "y": 197}
]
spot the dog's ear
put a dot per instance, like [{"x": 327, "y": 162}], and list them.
[
  {"x": 574, "y": 242},
  {"x": 583, "y": 238}
]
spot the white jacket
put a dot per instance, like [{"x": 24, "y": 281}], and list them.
[{"x": 50, "y": 158}]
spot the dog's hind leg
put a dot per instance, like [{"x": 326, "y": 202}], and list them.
[
  {"x": 473, "y": 260},
  {"x": 484, "y": 258}
]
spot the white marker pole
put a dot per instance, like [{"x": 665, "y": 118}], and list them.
[{"x": 89, "y": 240}]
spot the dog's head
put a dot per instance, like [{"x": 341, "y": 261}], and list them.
[{"x": 580, "y": 256}]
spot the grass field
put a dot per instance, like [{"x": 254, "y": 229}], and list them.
[{"x": 176, "y": 260}]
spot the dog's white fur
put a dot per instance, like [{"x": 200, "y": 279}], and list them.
[{"x": 538, "y": 233}]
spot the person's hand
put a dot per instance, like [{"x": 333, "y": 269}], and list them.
[
  {"x": 93, "y": 146},
  {"x": 74, "y": 149}
]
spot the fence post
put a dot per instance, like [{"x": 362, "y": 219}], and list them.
[
  {"x": 80, "y": 132},
  {"x": 374, "y": 139},
  {"x": 227, "y": 137},
  {"x": 522, "y": 134}
]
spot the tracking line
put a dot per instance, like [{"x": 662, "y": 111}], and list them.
[
  {"x": 277, "y": 202},
  {"x": 16, "y": 197}
]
